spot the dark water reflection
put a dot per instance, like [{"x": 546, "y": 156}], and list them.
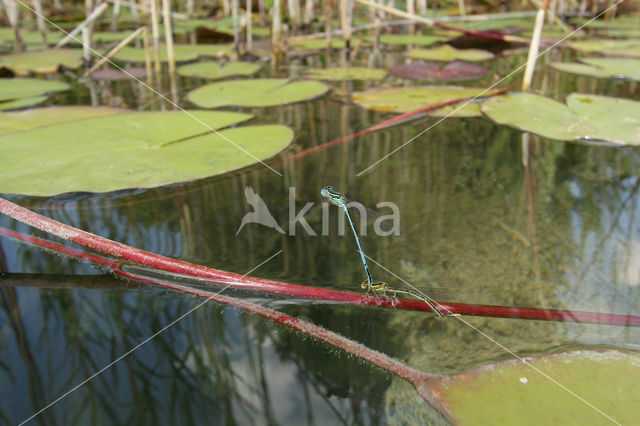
[{"x": 559, "y": 233}]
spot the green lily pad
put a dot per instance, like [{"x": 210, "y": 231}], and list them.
[
  {"x": 134, "y": 150},
  {"x": 407, "y": 99},
  {"x": 317, "y": 44},
  {"x": 511, "y": 392},
  {"x": 19, "y": 88},
  {"x": 256, "y": 93},
  {"x": 25, "y": 120},
  {"x": 216, "y": 71},
  {"x": 41, "y": 61},
  {"x": 603, "y": 67},
  {"x": 625, "y": 48},
  {"x": 21, "y": 103},
  {"x": 110, "y": 37},
  {"x": 446, "y": 53},
  {"x": 353, "y": 73},
  {"x": 585, "y": 117},
  {"x": 29, "y": 37},
  {"x": 402, "y": 39},
  {"x": 181, "y": 52}
]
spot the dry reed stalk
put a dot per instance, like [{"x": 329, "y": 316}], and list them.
[
  {"x": 168, "y": 35},
  {"x": 37, "y": 6},
  {"x": 249, "y": 34},
  {"x": 115, "y": 50},
  {"x": 534, "y": 47},
  {"x": 92, "y": 17},
  {"x": 155, "y": 35},
  {"x": 115, "y": 14}
]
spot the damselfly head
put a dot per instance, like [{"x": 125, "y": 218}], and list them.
[{"x": 325, "y": 191}]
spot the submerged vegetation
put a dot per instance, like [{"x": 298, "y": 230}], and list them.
[{"x": 158, "y": 124}]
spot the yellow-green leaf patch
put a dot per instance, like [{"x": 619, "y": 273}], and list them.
[
  {"x": 446, "y": 53},
  {"x": 41, "y": 61},
  {"x": 216, "y": 71}
]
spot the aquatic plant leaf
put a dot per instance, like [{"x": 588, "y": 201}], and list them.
[
  {"x": 181, "y": 52},
  {"x": 407, "y": 99},
  {"x": 256, "y": 92},
  {"x": 581, "y": 69},
  {"x": 17, "y": 88},
  {"x": 585, "y": 117},
  {"x": 432, "y": 71},
  {"x": 626, "y": 48},
  {"x": 24, "y": 120},
  {"x": 111, "y": 37},
  {"x": 511, "y": 392},
  {"x": 446, "y": 53},
  {"x": 216, "y": 71},
  {"x": 618, "y": 67},
  {"x": 351, "y": 73},
  {"x": 29, "y": 37},
  {"x": 41, "y": 61},
  {"x": 316, "y": 44},
  {"x": 22, "y": 103},
  {"x": 422, "y": 40},
  {"x": 133, "y": 150}
]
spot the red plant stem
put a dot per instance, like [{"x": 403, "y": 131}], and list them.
[
  {"x": 166, "y": 264},
  {"x": 417, "y": 378}
]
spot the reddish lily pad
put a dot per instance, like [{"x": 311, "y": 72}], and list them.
[
  {"x": 432, "y": 71},
  {"x": 110, "y": 74},
  {"x": 512, "y": 392}
]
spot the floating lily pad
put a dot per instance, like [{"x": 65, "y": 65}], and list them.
[
  {"x": 587, "y": 117},
  {"x": 21, "y": 103},
  {"x": 29, "y": 37},
  {"x": 431, "y": 71},
  {"x": 134, "y": 150},
  {"x": 411, "y": 98},
  {"x": 181, "y": 52},
  {"x": 446, "y": 53},
  {"x": 316, "y": 44},
  {"x": 110, "y": 37},
  {"x": 602, "y": 68},
  {"x": 41, "y": 61},
  {"x": 353, "y": 73},
  {"x": 256, "y": 93},
  {"x": 422, "y": 40},
  {"x": 512, "y": 392},
  {"x": 215, "y": 71},
  {"x": 626, "y": 48},
  {"x": 25, "y": 120},
  {"x": 20, "y": 88}
]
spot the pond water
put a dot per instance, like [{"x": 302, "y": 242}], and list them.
[{"x": 560, "y": 232}]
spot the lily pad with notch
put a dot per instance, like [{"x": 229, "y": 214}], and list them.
[
  {"x": 261, "y": 92},
  {"x": 432, "y": 71},
  {"x": 585, "y": 117},
  {"x": 133, "y": 150},
  {"x": 39, "y": 117},
  {"x": 216, "y": 71},
  {"x": 18, "y": 93}
]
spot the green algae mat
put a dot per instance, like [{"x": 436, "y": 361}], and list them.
[{"x": 132, "y": 150}]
